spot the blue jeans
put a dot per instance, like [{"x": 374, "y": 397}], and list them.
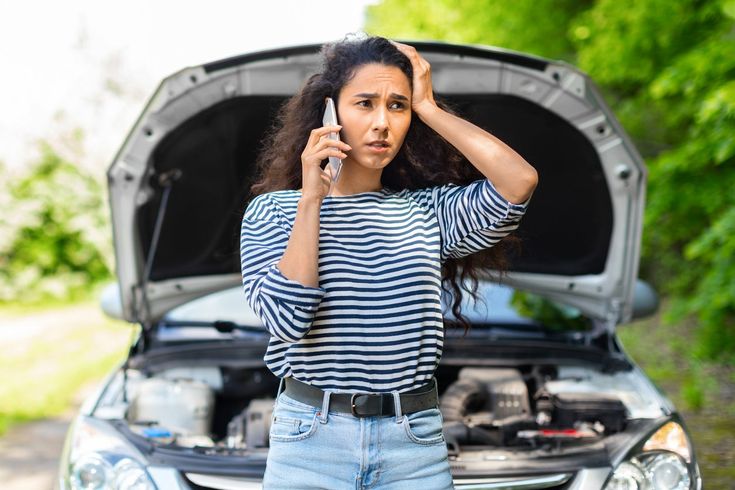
[{"x": 316, "y": 448}]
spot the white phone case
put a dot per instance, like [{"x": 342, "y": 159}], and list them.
[{"x": 330, "y": 118}]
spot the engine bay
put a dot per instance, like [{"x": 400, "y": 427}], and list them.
[
  {"x": 504, "y": 407},
  {"x": 225, "y": 409}
]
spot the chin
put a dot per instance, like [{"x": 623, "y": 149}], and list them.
[{"x": 374, "y": 164}]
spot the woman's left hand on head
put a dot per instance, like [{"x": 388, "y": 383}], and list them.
[{"x": 423, "y": 96}]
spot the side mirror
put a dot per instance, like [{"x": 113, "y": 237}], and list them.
[
  {"x": 645, "y": 300},
  {"x": 110, "y": 301}
]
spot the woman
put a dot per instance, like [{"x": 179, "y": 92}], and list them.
[{"x": 346, "y": 275}]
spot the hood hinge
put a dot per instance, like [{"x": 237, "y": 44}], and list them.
[
  {"x": 613, "y": 315},
  {"x": 611, "y": 322}
]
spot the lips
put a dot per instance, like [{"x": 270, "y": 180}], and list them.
[{"x": 378, "y": 144}]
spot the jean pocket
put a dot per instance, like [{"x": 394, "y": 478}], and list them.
[
  {"x": 292, "y": 422},
  {"x": 425, "y": 426}
]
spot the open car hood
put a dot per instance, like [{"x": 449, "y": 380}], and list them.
[{"x": 188, "y": 163}]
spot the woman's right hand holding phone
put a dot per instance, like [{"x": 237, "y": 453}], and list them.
[{"x": 317, "y": 182}]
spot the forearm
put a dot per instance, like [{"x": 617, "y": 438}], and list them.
[
  {"x": 513, "y": 177},
  {"x": 300, "y": 261}
]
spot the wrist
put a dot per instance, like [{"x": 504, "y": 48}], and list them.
[
  {"x": 309, "y": 200},
  {"x": 426, "y": 109}
]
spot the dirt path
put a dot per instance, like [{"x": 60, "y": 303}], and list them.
[
  {"x": 29, "y": 453},
  {"x": 18, "y": 329}
]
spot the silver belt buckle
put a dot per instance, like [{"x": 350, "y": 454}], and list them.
[{"x": 353, "y": 406}]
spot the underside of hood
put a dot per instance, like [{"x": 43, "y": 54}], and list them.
[{"x": 188, "y": 165}]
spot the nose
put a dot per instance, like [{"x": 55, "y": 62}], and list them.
[{"x": 380, "y": 120}]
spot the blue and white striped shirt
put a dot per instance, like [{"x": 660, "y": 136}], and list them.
[{"x": 374, "y": 324}]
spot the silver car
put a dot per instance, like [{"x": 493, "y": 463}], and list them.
[{"x": 538, "y": 395}]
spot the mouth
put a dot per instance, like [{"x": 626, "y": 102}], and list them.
[{"x": 378, "y": 146}]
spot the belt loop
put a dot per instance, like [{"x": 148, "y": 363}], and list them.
[
  {"x": 397, "y": 406},
  {"x": 325, "y": 407},
  {"x": 281, "y": 386}
]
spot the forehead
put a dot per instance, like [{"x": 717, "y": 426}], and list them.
[{"x": 375, "y": 76}]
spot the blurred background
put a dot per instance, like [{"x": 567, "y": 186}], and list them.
[{"x": 78, "y": 73}]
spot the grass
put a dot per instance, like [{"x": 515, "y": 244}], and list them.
[
  {"x": 42, "y": 374},
  {"x": 703, "y": 392}
]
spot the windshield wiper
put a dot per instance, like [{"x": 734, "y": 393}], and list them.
[{"x": 223, "y": 326}]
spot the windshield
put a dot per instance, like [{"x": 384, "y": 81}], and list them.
[{"x": 500, "y": 308}]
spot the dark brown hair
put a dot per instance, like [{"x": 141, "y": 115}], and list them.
[{"x": 425, "y": 159}]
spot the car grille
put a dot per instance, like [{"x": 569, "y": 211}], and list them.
[
  {"x": 545, "y": 482},
  {"x": 198, "y": 481},
  {"x": 556, "y": 481}
]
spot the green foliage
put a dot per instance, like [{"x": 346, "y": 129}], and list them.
[
  {"x": 499, "y": 23},
  {"x": 552, "y": 315},
  {"x": 625, "y": 43},
  {"x": 54, "y": 232},
  {"x": 667, "y": 68}
]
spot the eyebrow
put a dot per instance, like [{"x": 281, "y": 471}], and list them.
[{"x": 375, "y": 96}]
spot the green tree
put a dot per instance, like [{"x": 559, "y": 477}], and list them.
[
  {"x": 667, "y": 68},
  {"x": 55, "y": 232}
]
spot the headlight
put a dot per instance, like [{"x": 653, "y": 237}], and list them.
[
  {"x": 656, "y": 471},
  {"x": 670, "y": 437},
  {"x": 100, "y": 459},
  {"x": 662, "y": 463},
  {"x": 97, "y": 472}
]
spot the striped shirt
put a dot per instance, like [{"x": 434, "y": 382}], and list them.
[{"x": 375, "y": 323}]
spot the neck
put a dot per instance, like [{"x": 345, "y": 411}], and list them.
[{"x": 354, "y": 179}]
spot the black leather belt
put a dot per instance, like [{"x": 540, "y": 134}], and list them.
[{"x": 364, "y": 404}]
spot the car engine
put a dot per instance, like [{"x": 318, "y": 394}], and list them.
[
  {"x": 495, "y": 407},
  {"x": 230, "y": 408}
]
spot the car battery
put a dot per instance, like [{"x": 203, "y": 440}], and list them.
[{"x": 566, "y": 409}]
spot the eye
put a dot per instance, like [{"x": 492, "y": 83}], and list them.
[
  {"x": 364, "y": 103},
  {"x": 398, "y": 105}
]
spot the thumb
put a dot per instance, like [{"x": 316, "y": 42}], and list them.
[{"x": 329, "y": 171}]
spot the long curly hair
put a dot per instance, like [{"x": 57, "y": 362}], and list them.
[{"x": 424, "y": 160}]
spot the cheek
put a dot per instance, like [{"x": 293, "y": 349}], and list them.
[
  {"x": 346, "y": 136},
  {"x": 403, "y": 127},
  {"x": 349, "y": 126}
]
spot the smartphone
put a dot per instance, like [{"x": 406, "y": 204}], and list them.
[{"x": 330, "y": 118}]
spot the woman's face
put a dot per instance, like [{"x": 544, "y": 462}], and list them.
[{"x": 374, "y": 109}]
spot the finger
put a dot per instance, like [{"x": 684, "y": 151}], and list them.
[
  {"x": 316, "y": 133},
  {"x": 316, "y": 158},
  {"x": 326, "y": 153},
  {"x": 327, "y": 178},
  {"x": 409, "y": 51},
  {"x": 326, "y": 135},
  {"x": 398, "y": 45},
  {"x": 327, "y": 142},
  {"x": 402, "y": 48}
]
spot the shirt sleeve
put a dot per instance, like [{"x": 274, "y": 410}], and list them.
[
  {"x": 285, "y": 306},
  {"x": 472, "y": 217}
]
